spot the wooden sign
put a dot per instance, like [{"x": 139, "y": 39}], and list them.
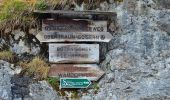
[
  {"x": 70, "y": 12},
  {"x": 64, "y": 30},
  {"x": 74, "y": 53},
  {"x": 90, "y": 71},
  {"x": 74, "y": 36},
  {"x": 74, "y": 25}
]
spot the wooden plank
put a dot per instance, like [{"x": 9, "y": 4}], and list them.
[
  {"x": 74, "y": 36},
  {"x": 74, "y": 25},
  {"x": 73, "y": 53},
  {"x": 88, "y": 12},
  {"x": 89, "y": 71}
]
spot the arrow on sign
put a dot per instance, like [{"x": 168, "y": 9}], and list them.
[
  {"x": 46, "y": 36},
  {"x": 90, "y": 71},
  {"x": 74, "y": 83}
]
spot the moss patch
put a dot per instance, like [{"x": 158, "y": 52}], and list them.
[{"x": 6, "y": 55}]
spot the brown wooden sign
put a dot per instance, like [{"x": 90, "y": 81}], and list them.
[
  {"x": 74, "y": 53},
  {"x": 70, "y": 12},
  {"x": 90, "y": 71},
  {"x": 74, "y": 25},
  {"x": 74, "y": 36}
]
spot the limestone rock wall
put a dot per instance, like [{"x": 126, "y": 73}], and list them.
[{"x": 137, "y": 63}]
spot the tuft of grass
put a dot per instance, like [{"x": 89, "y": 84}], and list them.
[
  {"x": 52, "y": 4},
  {"x": 41, "y": 5},
  {"x": 74, "y": 94},
  {"x": 119, "y": 0},
  {"x": 12, "y": 7},
  {"x": 54, "y": 82},
  {"x": 96, "y": 87},
  {"x": 33, "y": 2},
  {"x": 37, "y": 68},
  {"x": 16, "y": 14},
  {"x": 6, "y": 55}
]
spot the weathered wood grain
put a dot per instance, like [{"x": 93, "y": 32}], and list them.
[
  {"x": 89, "y": 12},
  {"x": 73, "y": 25},
  {"x": 73, "y": 53},
  {"x": 74, "y": 36},
  {"x": 89, "y": 71}
]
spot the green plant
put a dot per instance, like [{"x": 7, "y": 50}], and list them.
[
  {"x": 74, "y": 94},
  {"x": 96, "y": 87},
  {"x": 53, "y": 81},
  {"x": 6, "y": 55},
  {"x": 119, "y": 0},
  {"x": 41, "y": 5}
]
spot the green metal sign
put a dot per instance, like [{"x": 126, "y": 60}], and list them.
[{"x": 74, "y": 83}]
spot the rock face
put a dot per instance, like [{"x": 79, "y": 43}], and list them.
[
  {"x": 163, "y": 3},
  {"x": 21, "y": 45},
  {"x": 20, "y": 87},
  {"x": 137, "y": 62},
  {"x": 42, "y": 91},
  {"x": 14, "y": 87},
  {"x": 6, "y": 72},
  {"x": 138, "y": 68}
]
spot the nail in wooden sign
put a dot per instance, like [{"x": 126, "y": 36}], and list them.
[
  {"x": 73, "y": 53},
  {"x": 74, "y": 36},
  {"x": 74, "y": 25},
  {"x": 90, "y": 71}
]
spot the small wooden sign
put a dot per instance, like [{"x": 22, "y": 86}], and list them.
[
  {"x": 74, "y": 53},
  {"x": 90, "y": 71},
  {"x": 76, "y": 25},
  {"x": 74, "y": 36}
]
